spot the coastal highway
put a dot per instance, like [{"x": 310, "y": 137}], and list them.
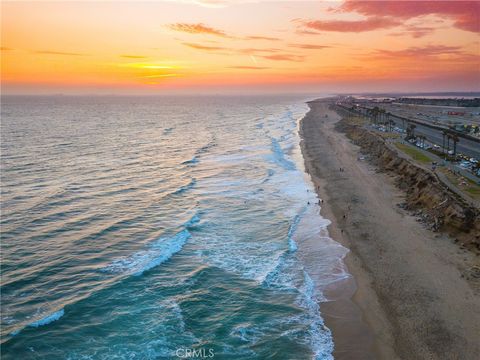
[
  {"x": 465, "y": 146},
  {"x": 434, "y": 135}
]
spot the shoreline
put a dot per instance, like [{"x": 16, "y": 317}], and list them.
[{"x": 407, "y": 298}]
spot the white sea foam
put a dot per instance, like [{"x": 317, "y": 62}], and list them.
[
  {"x": 320, "y": 336},
  {"x": 43, "y": 321},
  {"x": 156, "y": 254},
  {"x": 191, "y": 162},
  {"x": 184, "y": 188},
  {"x": 278, "y": 156},
  {"x": 48, "y": 319}
]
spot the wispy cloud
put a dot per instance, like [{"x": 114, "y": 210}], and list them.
[
  {"x": 246, "y": 67},
  {"x": 309, "y": 46},
  {"x": 133, "y": 56},
  {"x": 155, "y": 65},
  {"x": 414, "y": 31},
  {"x": 368, "y": 24},
  {"x": 433, "y": 55},
  {"x": 204, "y": 47},
  {"x": 200, "y": 28},
  {"x": 253, "y": 51},
  {"x": 197, "y": 29},
  {"x": 231, "y": 50},
  {"x": 62, "y": 53},
  {"x": 3, "y": 48},
  {"x": 262, "y": 38},
  {"x": 265, "y": 53},
  {"x": 415, "y": 52},
  {"x": 302, "y": 31},
  {"x": 158, "y": 76},
  {"x": 284, "y": 57}
]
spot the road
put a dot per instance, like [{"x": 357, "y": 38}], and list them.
[{"x": 464, "y": 146}]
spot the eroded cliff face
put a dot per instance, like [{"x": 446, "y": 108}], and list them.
[{"x": 427, "y": 197}]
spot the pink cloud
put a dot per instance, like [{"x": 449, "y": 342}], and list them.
[
  {"x": 421, "y": 52},
  {"x": 369, "y": 24},
  {"x": 433, "y": 54},
  {"x": 388, "y": 14},
  {"x": 465, "y": 14}
]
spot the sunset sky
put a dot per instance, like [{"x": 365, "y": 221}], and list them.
[{"x": 239, "y": 46}]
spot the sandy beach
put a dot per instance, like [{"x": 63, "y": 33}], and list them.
[{"x": 409, "y": 298}]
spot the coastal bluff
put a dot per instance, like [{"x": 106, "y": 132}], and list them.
[
  {"x": 434, "y": 204},
  {"x": 413, "y": 243}
]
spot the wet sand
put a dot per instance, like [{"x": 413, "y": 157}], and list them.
[{"x": 408, "y": 299}]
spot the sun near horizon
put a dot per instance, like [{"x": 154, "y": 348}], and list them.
[{"x": 171, "y": 47}]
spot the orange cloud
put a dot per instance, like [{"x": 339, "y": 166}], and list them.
[
  {"x": 197, "y": 29},
  {"x": 133, "y": 56},
  {"x": 262, "y": 38},
  {"x": 254, "y": 51},
  {"x": 248, "y": 51},
  {"x": 48, "y": 52},
  {"x": 301, "y": 31},
  {"x": 204, "y": 47},
  {"x": 284, "y": 57},
  {"x": 208, "y": 30},
  {"x": 245, "y": 67},
  {"x": 309, "y": 46},
  {"x": 421, "y": 52}
]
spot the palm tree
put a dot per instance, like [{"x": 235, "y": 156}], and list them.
[
  {"x": 412, "y": 127},
  {"x": 376, "y": 112},
  {"x": 475, "y": 168},
  {"x": 444, "y": 135},
  {"x": 455, "y": 140},
  {"x": 381, "y": 112},
  {"x": 410, "y": 131},
  {"x": 370, "y": 114}
]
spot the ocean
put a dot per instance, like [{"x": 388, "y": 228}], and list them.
[{"x": 161, "y": 228}]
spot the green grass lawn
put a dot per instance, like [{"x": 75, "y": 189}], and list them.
[
  {"x": 414, "y": 153},
  {"x": 464, "y": 184}
]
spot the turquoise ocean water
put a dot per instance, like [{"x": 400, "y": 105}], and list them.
[{"x": 160, "y": 228}]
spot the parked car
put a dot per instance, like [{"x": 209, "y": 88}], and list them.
[{"x": 465, "y": 165}]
